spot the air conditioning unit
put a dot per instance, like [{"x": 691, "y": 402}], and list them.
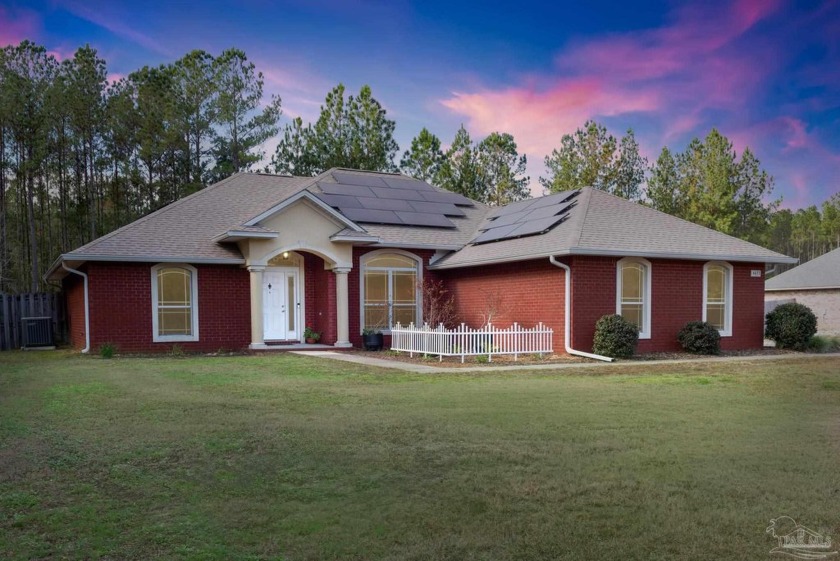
[{"x": 36, "y": 332}]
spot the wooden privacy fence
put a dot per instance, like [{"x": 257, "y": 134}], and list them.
[
  {"x": 19, "y": 314},
  {"x": 465, "y": 341}
]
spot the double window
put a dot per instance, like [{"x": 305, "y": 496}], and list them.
[
  {"x": 174, "y": 303},
  {"x": 633, "y": 293},
  {"x": 389, "y": 290},
  {"x": 717, "y": 296}
]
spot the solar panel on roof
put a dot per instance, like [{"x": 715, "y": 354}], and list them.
[
  {"x": 373, "y": 203},
  {"x": 441, "y": 197},
  {"x": 340, "y": 189},
  {"x": 346, "y": 201},
  {"x": 403, "y": 183},
  {"x": 404, "y": 194},
  {"x": 447, "y": 209},
  {"x": 494, "y": 234},
  {"x": 536, "y": 226},
  {"x": 389, "y": 199},
  {"x": 346, "y": 178},
  {"x": 506, "y": 219},
  {"x": 526, "y": 218},
  {"x": 424, "y": 219},
  {"x": 374, "y": 216}
]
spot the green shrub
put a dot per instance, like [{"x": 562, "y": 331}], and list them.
[
  {"x": 482, "y": 359},
  {"x": 823, "y": 344},
  {"x": 107, "y": 350},
  {"x": 615, "y": 337},
  {"x": 791, "y": 326},
  {"x": 700, "y": 337}
]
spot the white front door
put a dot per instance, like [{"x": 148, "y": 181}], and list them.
[{"x": 281, "y": 305}]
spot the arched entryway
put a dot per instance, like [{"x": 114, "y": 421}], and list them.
[{"x": 284, "y": 300}]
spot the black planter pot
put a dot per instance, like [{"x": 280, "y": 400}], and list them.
[{"x": 373, "y": 342}]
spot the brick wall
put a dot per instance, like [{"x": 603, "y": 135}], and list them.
[
  {"x": 677, "y": 298},
  {"x": 74, "y": 293},
  {"x": 748, "y": 311},
  {"x": 121, "y": 308},
  {"x": 319, "y": 287},
  {"x": 824, "y": 303},
  {"x": 528, "y": 292}
]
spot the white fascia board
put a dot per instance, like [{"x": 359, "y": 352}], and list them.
[
  {"x": 238, "y": 235},
  {"x": 798, "y": 288},
  {"x": 155, "y": 259},
  {"x": 445, "y": 247},
  {"x": 330, "y": 211},
  {"x": 682, "y": 256},
  {"x": 355, "y": 239},
  {"x": 611, "y": 253}
]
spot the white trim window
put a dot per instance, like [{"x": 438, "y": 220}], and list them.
[
  {"x": 633, "y": 293},
  {"x": 174, "y": 303},
  {"x": 717, "y": 296},
  {"x": 390, "y": 291}
]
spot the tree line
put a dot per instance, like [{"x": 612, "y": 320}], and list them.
[{"x": 82, "y": 155}]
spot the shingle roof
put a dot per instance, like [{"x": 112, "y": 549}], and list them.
[
  {"x": 603, "y": 224},
  {"x": 822, "y": 272},
  {"x": 186, "y": 228},
  {"x": 599, "y": 223}
]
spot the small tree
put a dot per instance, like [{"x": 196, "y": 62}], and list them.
[
  {"x": 791, "y": 326},
  {"x": 438, "y": 304},
  {"x": 615, "y": 337},
  {"x": 494, "y": 306}
]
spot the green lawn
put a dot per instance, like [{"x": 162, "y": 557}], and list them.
[{"x": 289, "y": 457}]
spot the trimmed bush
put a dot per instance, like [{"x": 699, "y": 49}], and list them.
[
  {"x": 791, "y": 326},
  {"x": 615, "y": 337},
  {"x": 700, "y": 338}
]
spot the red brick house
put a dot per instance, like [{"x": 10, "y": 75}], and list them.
[{"x": 251, "y": 260}]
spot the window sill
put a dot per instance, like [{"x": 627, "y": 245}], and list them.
[{"x": 175, "y": 339}]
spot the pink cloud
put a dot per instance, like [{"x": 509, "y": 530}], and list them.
[
  {"x": 17, "y": 25},
  {"x": 674, "y": 74},
  {"x": 538, "y": 119}
]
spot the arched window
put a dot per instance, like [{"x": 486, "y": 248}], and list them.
[
  {"x": 717, "y": 296},
  {"x": 174, "y": 303},
  {"x": 633, "y": 293},
  {"x": 390, "y": 290}
]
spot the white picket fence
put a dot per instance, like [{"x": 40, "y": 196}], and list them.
[{"x": 465, "y": 341}]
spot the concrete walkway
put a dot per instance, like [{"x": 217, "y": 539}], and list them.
[{"x": 429, "y": 369}]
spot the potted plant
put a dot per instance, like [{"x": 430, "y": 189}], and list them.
[
  {"x": 311, "y": 336},
  {"x": 372, "y": 339}
]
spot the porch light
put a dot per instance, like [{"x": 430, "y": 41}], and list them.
[{"x": 285, "y": 255}]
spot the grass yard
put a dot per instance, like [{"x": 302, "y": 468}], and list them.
[{"x": 289, "y": 457}]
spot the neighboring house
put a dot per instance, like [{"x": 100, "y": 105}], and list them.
[
  {"x": 251, "y": 260},
  {"x": 816, "y": 284}
]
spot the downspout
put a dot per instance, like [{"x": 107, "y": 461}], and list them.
[
  {"x": 87, "y": 304},
  {"x": 568, "y": 313}
]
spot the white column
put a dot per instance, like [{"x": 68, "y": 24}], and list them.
[
  {"x": 342, "y": 304},
  {"x": 257, "y": 341}
]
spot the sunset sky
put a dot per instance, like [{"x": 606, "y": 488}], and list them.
[{"x": 764, "y": 72}]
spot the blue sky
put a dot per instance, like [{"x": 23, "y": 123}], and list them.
[{"x": 764, "y": 72}]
